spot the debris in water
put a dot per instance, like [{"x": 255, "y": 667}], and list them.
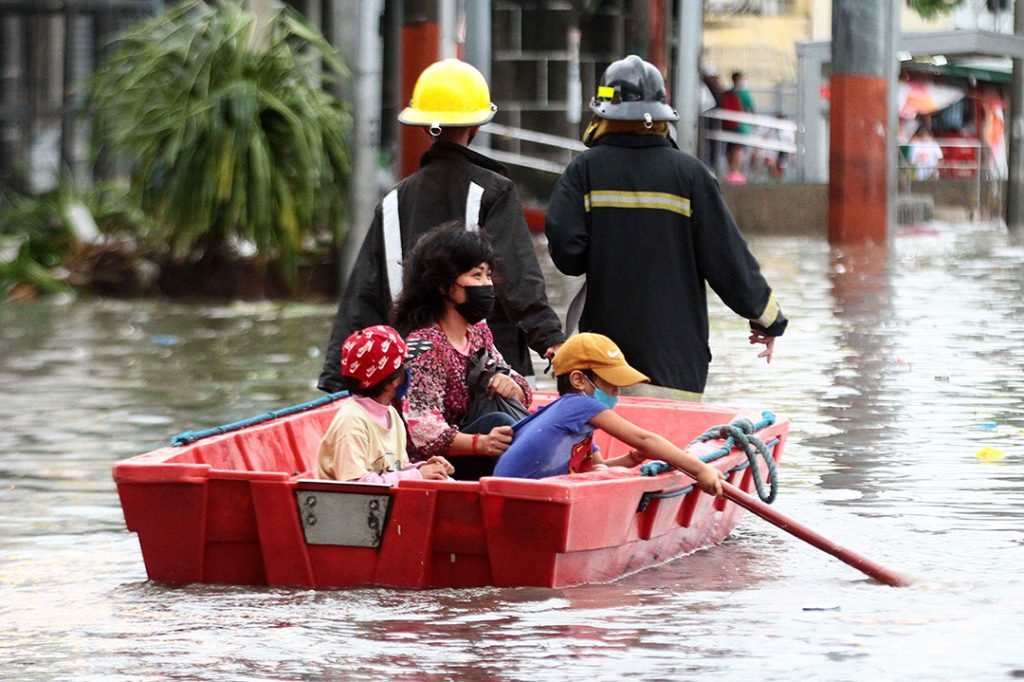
[{"x": 990, "y": 454}]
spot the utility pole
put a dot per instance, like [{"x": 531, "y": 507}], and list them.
[
  {"x": 357, "y": 30},
  {"x": 478, "y": 36},
  {"x": 478, "y": 48},
  {"x": 686, "y": 95},
  {"x": 1015, "y": 162},
  {"x": 863, "y": 49}
]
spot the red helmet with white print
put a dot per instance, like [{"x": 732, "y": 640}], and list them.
[{"x": 373, "y": 354}]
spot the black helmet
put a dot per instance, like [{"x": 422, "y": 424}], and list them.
[{"x": 632, "y": 90}]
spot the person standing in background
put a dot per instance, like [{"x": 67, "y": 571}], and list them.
[
  {"x": 450, "y": 102},
  {"x": 713, "y": 85},
  {"x": 737, "y": 99},
  {"x": 648, "y": 226}
]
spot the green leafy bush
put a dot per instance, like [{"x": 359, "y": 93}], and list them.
[
  {"x": 929, "y": 9},
  {"x": 40, "y": 247},
  {"x": 34, "y": 240},
  {"x": 232, "y": 137}
]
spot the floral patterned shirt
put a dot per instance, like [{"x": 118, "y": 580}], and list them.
[{"x": 438, "y": 396}]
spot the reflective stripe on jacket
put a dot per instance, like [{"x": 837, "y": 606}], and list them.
[{"x": 453, "y": 183}]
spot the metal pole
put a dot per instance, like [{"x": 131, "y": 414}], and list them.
[
  {"x": 810, "y": 122},
  {"x": 478, "y": 36},
  {"x": 1015, "y": 162},
  {"x": 448, "y": 26},
  {"x": 573, "y": 83},
  {"x": 686, "y": 95},
  {"x": 892, "y": 38},
  {"x": 365, "y": 62},
  {"x": 478, "y": 48}
]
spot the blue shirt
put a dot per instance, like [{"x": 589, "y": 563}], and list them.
[{"x": 556, "y": 439}]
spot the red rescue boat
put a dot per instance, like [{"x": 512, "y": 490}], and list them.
[{"x": 243, "y": 507}]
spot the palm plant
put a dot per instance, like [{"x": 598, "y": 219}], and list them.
[
  {"x": 930, "y": 9},
  {"x": 41, "y": 249},
  {"x": 231, "y": 134},
  {"x": 34, "y": 241}
]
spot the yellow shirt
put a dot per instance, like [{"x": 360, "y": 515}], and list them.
[{"x": 356, "y": 445}]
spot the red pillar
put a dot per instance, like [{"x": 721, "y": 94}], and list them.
[
  {"x": 858, "y": 165},
  {"x": 863, "y": 65},
  {"x": 657, "y": 49},
  {"x": 420, "y": 48}
]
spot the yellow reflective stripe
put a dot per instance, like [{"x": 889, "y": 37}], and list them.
[
  {"x": 771, "y": 312},
  {"x": 619, "y": 199}
]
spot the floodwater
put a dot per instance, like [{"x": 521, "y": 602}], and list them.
[{"x": 898, "y": 371}]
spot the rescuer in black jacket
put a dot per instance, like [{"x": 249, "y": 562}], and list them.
[
  {"x": 452, "y": 100},
  {"x": 648, "y": 226}
]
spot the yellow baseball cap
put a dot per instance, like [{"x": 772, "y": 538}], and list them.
[{"x": 598, "y": 353}]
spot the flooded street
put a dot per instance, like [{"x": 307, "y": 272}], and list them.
[{"x": 902, "y": 373}]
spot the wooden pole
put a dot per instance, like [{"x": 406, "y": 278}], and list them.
[{"x": 847, "y": 556}]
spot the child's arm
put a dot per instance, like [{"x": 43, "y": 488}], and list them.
[
  {"x": 390, "y": 477},
  {"x": 651, "y": 445},
  {"x": 630, "y": 459},
  {"x": 434, "y": 469}
]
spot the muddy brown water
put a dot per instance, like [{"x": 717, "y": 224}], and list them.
[{"x": 902, "y": 374}]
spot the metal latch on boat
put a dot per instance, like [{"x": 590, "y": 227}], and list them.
[{"x": 343, "y": 518}]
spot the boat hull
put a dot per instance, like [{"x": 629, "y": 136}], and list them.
[{"x": 244, "y": 508}]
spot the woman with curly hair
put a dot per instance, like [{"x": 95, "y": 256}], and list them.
[{"x": 447, "y": 291}]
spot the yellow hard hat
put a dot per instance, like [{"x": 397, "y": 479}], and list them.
[{"x": 449, "y": 93}]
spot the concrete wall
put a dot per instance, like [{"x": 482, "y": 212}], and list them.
[
  {"x": 788, "y": 208},
  {"x": 802, "y": 208}
]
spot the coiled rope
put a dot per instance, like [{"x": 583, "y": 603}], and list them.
[{"x": 739, "y": 433}]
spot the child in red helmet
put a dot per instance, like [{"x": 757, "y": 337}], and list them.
[{"x": 366, "y": 440}]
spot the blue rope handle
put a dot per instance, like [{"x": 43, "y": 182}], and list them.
[
  {"x": 739, "y": 433},
  {"x": 187, "y": 437}
]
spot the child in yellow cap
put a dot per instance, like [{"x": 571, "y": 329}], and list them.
[{"x": 558, "y": 438}]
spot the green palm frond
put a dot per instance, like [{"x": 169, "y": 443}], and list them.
[
  {"x": 228, "y": 141},
  {"x": 929, "y": 9}
]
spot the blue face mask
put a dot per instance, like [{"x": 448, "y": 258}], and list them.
[
  {"x": 403, "y": 387},
  {"x": 606, "y": 399}
]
